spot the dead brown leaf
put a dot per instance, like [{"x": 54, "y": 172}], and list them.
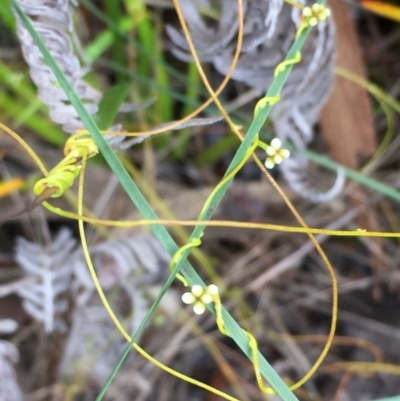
[{"x": 347, "y": 120}]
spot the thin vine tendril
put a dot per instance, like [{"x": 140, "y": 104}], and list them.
[
  {"x": 111, "y": 312},
  {"x": 78, "y": 147},
  {"x": 310, "y": 17},
  {"x": 81, "y": 147}
]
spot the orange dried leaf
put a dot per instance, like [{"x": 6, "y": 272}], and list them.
[
  {"x": 353, "y": 134},
  {"x": 386, "y": 10},
  {"x": 10, "y": 186}
]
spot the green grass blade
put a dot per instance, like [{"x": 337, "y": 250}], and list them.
[
  {"x": 21, "y": 104},
  {"x": 354, "y": 175},
  {"x": 110, "y": 104},
  {"x": 6, "y": 15},
  {"x": 113, "y": 9}
]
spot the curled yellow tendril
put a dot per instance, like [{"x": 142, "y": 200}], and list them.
[
  {"x": 178, "y": 255},
  {"x": 286, "y": 63},
  {"x": 62, "y": 176},
  {"x": 271, "y": 100}
]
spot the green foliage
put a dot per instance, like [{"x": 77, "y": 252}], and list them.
[
  {"x": 154, "y": 74},
  {"x": 144, "y": 208},
  {"x": 110, "y": 105},
  {"x": 6, "y": 15},
  {"x": 395, "y": 398},
  {"x": 18, "y": 101}
]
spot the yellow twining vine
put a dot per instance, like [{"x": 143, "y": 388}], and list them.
[
  {"x": 220, "y": 88},
  {"x": 80, "y": 147},
  {"x": 201, "y": 297},
  {"x": 310, "y": 17},
  {"x": 112, "y": 314}
]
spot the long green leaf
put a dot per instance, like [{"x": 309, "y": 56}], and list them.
[{"x": 110, "y": 104}]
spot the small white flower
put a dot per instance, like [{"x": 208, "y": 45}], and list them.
[
  {"x": 316, "y": 13},
  {"x": 199, "y": 297},
  {"x": 276, "y": 155}
]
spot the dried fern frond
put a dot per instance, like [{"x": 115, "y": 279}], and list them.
[
  {"x": 8, "y": 326},
  {"x": 127, "y": 270},
  {"x": 52, "y": 19},
  {"x": 265, "y": 41},
  {"x": 93, "y": 346},
  {"x": 9, "y": 388},
  {"x": 43, "y": 299},
  {"x": 302, "y": 178},
  {"x": 269, "y": 31},
  {"x": 132, "y": 264},
  {"x": 140, "y": 257}
]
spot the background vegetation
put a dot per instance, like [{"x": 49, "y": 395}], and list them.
[{"x": 273, "y": 282}]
